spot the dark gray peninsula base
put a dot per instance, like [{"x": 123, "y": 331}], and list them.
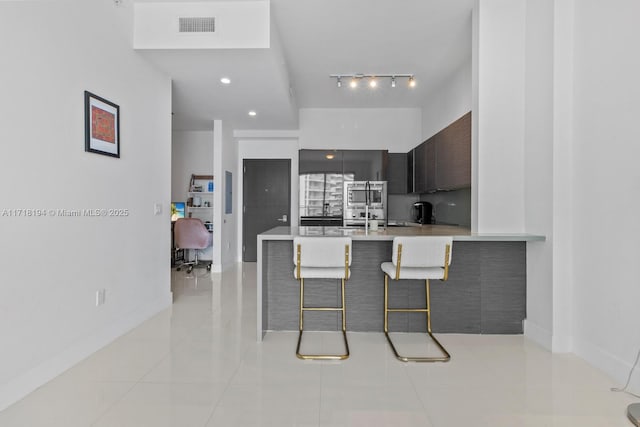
[{"x": 485, "y": 293}]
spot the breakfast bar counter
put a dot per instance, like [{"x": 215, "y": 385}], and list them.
[{"x": 485, "y": 292}]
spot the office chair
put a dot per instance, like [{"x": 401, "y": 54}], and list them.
[{"x": 190, "y": 233}]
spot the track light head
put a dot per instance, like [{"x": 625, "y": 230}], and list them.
[
  {"x": 393, "y": 81},
  {"x": 339, "y": 83},
  {"x": 412, "y": 82}
]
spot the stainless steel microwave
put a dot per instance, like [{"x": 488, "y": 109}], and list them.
[
  {"x": 359, "y": 195},
  {"x": 362, "y": 193}
]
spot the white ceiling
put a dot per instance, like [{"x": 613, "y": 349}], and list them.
[{"x": 314, "y": 38}]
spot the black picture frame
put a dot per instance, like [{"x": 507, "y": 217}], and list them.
[{"x": 101, "y": 125}]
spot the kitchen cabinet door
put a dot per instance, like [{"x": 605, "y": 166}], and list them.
[
  {"x": 411, "y": 183},
  {"x": 397, "y": 173},
  {"x": 424, "y": 167},
  {"x": 420, "y": 168},
  {"x": 365, "y": 165},
  {"x": 453, "y": 153},
  {"x": 432, "y": 167}
]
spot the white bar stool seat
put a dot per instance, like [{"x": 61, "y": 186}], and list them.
[
  {"x": 322, "y": 258},
  {"x": 422, "y": 258}
]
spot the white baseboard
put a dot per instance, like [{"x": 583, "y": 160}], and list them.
[
  {"x": 611, "y": 365},
  {"x": 538, "y": 334},
  {"x": 21, "y": 386}
]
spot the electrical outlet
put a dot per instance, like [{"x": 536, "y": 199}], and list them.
[{"x": 100, "y": 297}]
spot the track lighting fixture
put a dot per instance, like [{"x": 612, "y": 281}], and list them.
[{"x": 373, "y": 79}]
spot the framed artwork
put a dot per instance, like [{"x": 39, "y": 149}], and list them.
[{"x": 101, "y": 125}]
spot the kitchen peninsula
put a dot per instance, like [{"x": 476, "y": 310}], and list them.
[{"x": 485, "y": 293}]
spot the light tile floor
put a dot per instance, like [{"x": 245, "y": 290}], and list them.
[{"x": 198, "y": 364}]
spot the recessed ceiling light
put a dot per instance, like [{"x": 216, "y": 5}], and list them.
[
  {"x": 225, "y": 80},
  {"x": 253, "y": 113},
  {"x": 330, "y": 156}
]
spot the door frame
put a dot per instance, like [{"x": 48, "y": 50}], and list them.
[{"x": 291, "y": 198}]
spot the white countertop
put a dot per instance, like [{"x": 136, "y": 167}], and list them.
[{"x": 458, "y": 233}]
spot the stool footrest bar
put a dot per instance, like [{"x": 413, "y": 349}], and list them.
[
  {"x": 323, "y": 356},
  {"x": 444, "y": 358}
]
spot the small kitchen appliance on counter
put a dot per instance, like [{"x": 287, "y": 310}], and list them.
[{"x": 422, "y": 212}]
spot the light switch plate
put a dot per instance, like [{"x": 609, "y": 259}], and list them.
[{"x": 157, "y": 208}]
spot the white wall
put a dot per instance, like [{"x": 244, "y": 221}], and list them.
[
  {"x": 538, "y": 167},
  {"x": 228, "y": 236},
  {"x": 562, "y": 211},
  {"x": 191, "y": 153},
  {"x": 55, "y": 265},
  {"x": 580, "y": 175},
  {"x": 452, "y": 100},
  {"x": 499, "y": 111},
  {"x": 606, "y": 185},
  {"x": 519, "y": 168},
  {"x": 395, "y": 129}
]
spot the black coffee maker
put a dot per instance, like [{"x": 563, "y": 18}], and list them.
[{"x": 422, "y": 212}]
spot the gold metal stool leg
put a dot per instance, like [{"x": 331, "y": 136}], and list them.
[
  {"x": 342, "y": 309},
  {"x": 444, "y": 358}
]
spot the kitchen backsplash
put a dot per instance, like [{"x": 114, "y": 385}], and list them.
[
  {"x": 451, "y": 207},
  {"x": 400, "y": 206}
]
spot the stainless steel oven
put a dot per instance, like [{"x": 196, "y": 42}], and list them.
[{"x": 361, "y": 197}]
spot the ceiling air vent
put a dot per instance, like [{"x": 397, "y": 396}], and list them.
[{"x": 197, "y": 25}]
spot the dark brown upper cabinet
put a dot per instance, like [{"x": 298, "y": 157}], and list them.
[
  {"x": 443, "y": 162},
  {"x": 365, "y": 165},
  {"x": 453, "y": 155},
  {"x": 397, "y": 182},
  {"x": 360, "y": 165}
]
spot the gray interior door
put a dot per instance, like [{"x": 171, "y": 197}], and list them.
[{"x": 266, "y": 200}]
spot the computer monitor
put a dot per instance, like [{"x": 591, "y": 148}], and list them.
[{"x": 177, "y": 210}]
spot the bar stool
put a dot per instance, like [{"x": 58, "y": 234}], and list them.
[
  {"x": 417, "y": 257},
  {"x": 322, "y": 258}
]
